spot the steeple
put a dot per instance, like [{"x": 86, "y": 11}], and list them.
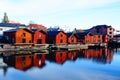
[{"x": 5, "y": 18}]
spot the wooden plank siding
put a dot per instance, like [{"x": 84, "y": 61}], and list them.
[
  {"x": 22, "y": 35},
  {"x": 39, "y": 37},
  {"x": 72, "y": 39},
  {"x": 56, "y": 37},
  {"x": 18, "y": 36},
  {"x": 61, "y": 38}
]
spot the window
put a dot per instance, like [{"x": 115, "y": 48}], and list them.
[
  {"x": 86, "y": 41},
  {"x": 72, "y": 41},
  {"x": 7, "y": 37},
  {"x": 30, "y": 41},
  {"x": 39, "y": 35},
  {"x": 61, "y": 35},
  {"x": 39, "y": 41},
  {"x": 110, "y": 36},
  {"x": 23, "y": 40},
  {"x": 110, "y": 28},
  {"x": 61, "y": 41},
  {"x": 98, "y": 40},
  {"x": 110, "y": 32},
  {"x": 98, "y": 36},
  {"x": 23, "y": 35}
]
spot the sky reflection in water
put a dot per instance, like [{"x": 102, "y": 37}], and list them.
[{"x": 97, "y": 64}]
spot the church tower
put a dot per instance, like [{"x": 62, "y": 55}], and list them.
[{"x": 5, "y": 18}]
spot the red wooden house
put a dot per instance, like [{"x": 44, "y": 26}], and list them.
[
  {"x": 72, "y": 38},
  {"x": 39, "y": 36},
  {"x": 18, "y": 36},
  {"x": 93, "y": 38},
  {"x": 56, "y": 37},
  {"x": 39, "y": 60},
  {"x": 88, "y": 38}
]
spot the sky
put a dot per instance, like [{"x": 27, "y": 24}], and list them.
[{"x": 68, "y": 14}]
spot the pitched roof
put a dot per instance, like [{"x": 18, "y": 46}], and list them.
[
  {"x": 37, "y": 26},
  {"x": 14, "y": 30},
  {"x": 34, "y": 30},
  {"x": 11, "y": 25},
  {"x": 99, "y": 26},
  {"x": 118, "y": 35},
  {"x": 82, "y": 34},
  {"x": 53, "y": 33},
  {"x": 69, "y": 34}
]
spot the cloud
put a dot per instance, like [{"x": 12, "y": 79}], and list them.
[
  {"x": 58, "y": 12},
  {"x": 41, "y": 7}
]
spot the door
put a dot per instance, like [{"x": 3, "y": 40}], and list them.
[{"x": 39, "y": 41}]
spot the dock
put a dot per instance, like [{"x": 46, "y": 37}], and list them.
[{"x": 41, "y": 47}]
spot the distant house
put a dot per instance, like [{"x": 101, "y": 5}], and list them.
[
  {"x": 36, "y": 26},
  {"x": 8, "y": 26},
  {"x": 18, "y": 36},
  {"x": 56, "y": 37},
  {"x": 39, "y": 36},
  {"x": 72, "y": 37},
  {"x": 116, "y": 38},
  {"x": 104, "y": 30}
]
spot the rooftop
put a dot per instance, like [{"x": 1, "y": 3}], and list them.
[{"x": 11, "y": 25}]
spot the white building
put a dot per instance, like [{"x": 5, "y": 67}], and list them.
[{"x": 8, "y": 26}]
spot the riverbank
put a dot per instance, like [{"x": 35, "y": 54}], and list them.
[{"x": 40, "y": 47}]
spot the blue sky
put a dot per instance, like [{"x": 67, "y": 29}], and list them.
[{"x": 69, "y": 14}]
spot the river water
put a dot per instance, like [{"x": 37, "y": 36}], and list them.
[{"x": 90, "y": 64}]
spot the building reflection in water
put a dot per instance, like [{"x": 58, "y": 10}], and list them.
[
  {"x": 99, "y": 55},
  {"x": 24, "y": 61},
  {"x": 39, "y": 59},
  {"x": 58, "y": 57}
]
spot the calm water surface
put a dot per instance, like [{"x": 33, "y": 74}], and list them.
[{"x": 91, "y": 64}]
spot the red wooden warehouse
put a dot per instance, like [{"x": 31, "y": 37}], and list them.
[
  {"x": 72, "y": 38},
  {"x": 93, "y": 38},
  {"x": 18, "y": 36},
  {"x": 56, "y": 37},
  {"x": 89, "y": 38},
  {"x": 39, "y": 36}
]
